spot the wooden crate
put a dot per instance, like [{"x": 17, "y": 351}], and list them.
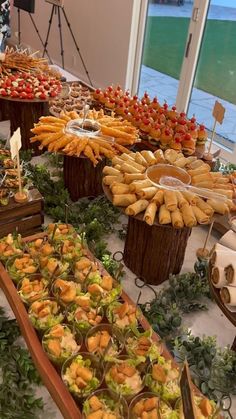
[{"x": 27, "y": 218}]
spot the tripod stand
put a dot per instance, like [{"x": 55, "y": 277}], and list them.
[
  {"x": 57, "y": 9},
  {"x": 36, "y": 29}
]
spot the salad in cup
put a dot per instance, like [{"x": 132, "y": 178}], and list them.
[
  {"x": 83, "y": 313},
  {"x": 21, "y": 266},
  {"x": 163, "y": 379},
  {"x": 65, "y": 291},
  {"x": 103, "y": 287},
  {"x": 104, "y": 339},
  {"x": 82, "y": 374},
  {"x": 71, "y": 249},
  {"x": 141, "y": 344},
  {"x": 204, "y": 408},
  {"x": 33, "y": 288},
  {"x": 105, "y": 404},
  {"x": 82, "y": 268},
  {"x": 52, "y": 268},
  {"x": 45, "y": 313},
  {"x": 10, "y": 246},
  {"x": 60, "y": 343},
  {"x": 124, "y": 377},
  {"x": 40, "y": 247},
  {"x": 59, "y": 232},
  {"x": 123, "y": 315}
]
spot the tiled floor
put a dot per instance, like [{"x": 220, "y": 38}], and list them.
[{"x": 166, "y": 87}]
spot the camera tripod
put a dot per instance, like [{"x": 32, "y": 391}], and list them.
[{"x": 57, "y": 10}]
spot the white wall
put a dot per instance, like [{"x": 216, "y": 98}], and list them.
[{"x": 101, "y": 28}]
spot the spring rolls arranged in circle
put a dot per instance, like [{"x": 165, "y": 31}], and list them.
[{"x": 130, "y": 187}]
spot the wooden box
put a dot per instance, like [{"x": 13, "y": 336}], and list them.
[{"x": 27, "y": 218}]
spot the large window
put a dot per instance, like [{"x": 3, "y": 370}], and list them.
[{"x": 189, "y": 58}]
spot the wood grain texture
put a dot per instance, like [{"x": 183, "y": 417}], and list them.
[
  {"x": 82, "y": 178},
  {"x": 26, "y": 217},
  {"x": 154, "y": 252},
  {"x": 24, "y": 114}
]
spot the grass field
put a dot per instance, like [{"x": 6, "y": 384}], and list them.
[{"x": 216, "y": 73}]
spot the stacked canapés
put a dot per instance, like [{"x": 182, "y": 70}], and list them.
[{"x": 89, "y": 332}]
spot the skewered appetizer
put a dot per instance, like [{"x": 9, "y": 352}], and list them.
[
  {"x": 51, "y": 267},
  {"x": 142, "y": 344},
  {"x": 82, "y": 268},
  {"x": 105, "y": 340},
  {"x": 82, "y": 374},
  {"x": 105, "y": 404},
  {"x": 65, "y": 291},
  {"x": 21, "y": 266},
  {"x": 45, "y": 313},
  {"x": 133, "y": 190},
  {"x": 10, "y": 246},
  {"x": 123, "y": 377},
  {"x": 158, "y": 123},
  {"x": 56, "y": 135},
  {"x": 59, "y": 342},
  {"x": 123, "y": 315},
  {"x": 33, "y": 288},
  {"x": 103, "y": 288},
  {"x": 163, "y": 379},
  {"x": 59, "y": 232},
  {"x": 4, "y": 196},
  {"x": 7, "y": 163},
  {"x": 83, "y": 313}
]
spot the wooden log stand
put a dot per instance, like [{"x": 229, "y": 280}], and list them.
[
  {"x": 23, "y": 114},
  {"x": 82, "y": 178},
  {"x": 154, "y": 252}
]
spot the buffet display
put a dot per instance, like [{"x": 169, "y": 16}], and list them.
[
  {"x": 77, "y": 97},
  {"x": 85, "y": 322},
  {"x": 95, "y": 137},
  {"x": 159, "y": 124},
  {"x": 134, "y": 184}
]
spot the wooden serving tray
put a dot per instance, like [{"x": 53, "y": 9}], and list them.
[{"x": 50, "y": 377}]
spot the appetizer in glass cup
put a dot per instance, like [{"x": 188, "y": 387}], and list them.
[
  {"x": 147, "y": 405},
  {"x": 65, "y": 290},
  {"x": 123, "y": 376},
  {"x": 204, "y": 408},
  {"x": 84, "y": 313},
  {"x": 60, "y": 342},
  {"x": 33, "y": 288},
  {"x": 45, "y": 313},
  {"x": 40, "y": 247},
  {"x": 103, "y": 288},
  {"x": 10, "y": 246},
  {"x": 51, "y": 267},
  {"x": 105, "y": 403},
  {"x": 21, "y": 266},
  {"x": 82, "y": 268},
  {"x": 104, "y": 340},
  {"x": 59, "y": 232},
  {"x": 82, "y": 374},
  {"x": 122, "y": 314},
  {"x": 163, "y": 379},
  {"x": 71, "y": 249},
  {"x": 140, "y": 344}
]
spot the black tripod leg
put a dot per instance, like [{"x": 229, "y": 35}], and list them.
[
  {"x": 61, "y": 40},
  {"x": 76, "y": 45},
  {"x": 48, "y": 32},
  {"x": 19, "y": 32},
  {"x": 35, "y": 27}
]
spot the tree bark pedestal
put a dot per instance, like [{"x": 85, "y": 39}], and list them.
[
  {"x": 23, "y": 114},
  {"x": 154, "y": 252},
  {"x": 82, "y": 178}
]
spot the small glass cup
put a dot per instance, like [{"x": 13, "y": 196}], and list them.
[
  {"x": 146, "y": 395},
  {"x": 113, "y": 349},
  {"x": 44, "y": 292},
  {"x": 121, "y": 407},
  {"x": 95, "y": 365},
  {"x": 63, "y": 357},
  {"x": 52, "y": 319},
  {"x": 67, "y": 299},
  {"x": 82, "y": 324}
]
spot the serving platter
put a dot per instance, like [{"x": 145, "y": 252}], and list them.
[{"x": 50, "y": 376}]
